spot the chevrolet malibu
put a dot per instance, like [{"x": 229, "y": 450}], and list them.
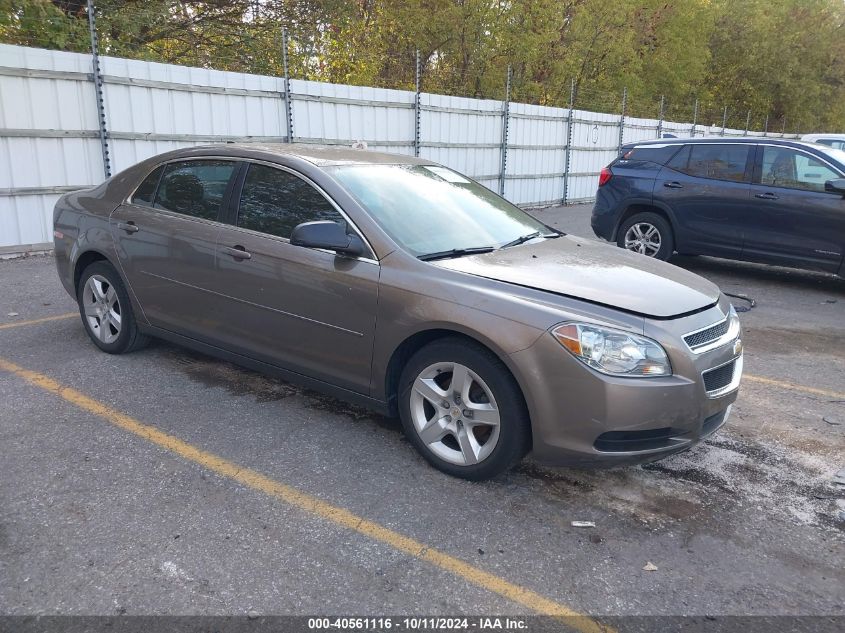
[{"x": 399, "y": 284}]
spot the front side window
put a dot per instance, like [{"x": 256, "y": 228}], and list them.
[
  {"x": 785, "y": 167},
  {"x": 274, "y": 201},
  {"x": 718, "y": 162},
  {"x": 430, "y": 209},
  {"x": 194, "y": 187}
]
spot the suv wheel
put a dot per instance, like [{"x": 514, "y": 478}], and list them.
[
  {"x": 647, "y": 234},
  {"x": 106, "y": 311},
  {"x": 462, "y": 410}
]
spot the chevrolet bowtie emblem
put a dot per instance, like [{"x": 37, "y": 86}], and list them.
[{"x": 737, "y": 347}]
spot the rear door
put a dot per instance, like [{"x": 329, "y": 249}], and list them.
[
  {"x": 165, "y": 236},
  {"x": 794, "y": 221},
  {"x": 707, "y": 187},
  {"x": 309, "y": 310}
]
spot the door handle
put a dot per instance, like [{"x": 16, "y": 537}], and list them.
[
  {"x": 238, "y": 252},
  {"x": 673, "y": 185},
  {"x": 129, "y": 227},
  {"x": 766, "y": 196}
]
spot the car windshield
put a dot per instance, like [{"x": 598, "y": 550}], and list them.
[{"x": 430, "y": 210}]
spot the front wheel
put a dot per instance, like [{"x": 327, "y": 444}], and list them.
[
  {"x": 106, "y": 311},
  {"x": 648, "y": 234},
  {"x": 462, "y": 410}
]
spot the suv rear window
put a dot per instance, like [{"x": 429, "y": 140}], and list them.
[
  {"x": 654, "y": 154},
  {"x": 719, "y": 162}
]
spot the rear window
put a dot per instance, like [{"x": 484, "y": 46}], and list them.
[
  {"x": 659, "y": 154},
  {"x": 718, "y": 162},
  {"x": 832, "y": 142}
]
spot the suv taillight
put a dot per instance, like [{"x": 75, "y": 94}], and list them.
[{"x": 604, "y": 175}]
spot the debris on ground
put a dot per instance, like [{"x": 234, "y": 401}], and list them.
[
  {"x": 12, "y": 314},
  {"x": 831, "y": 422},
  {"x": 649, "y": 566},
  {"x": 583, "y": 524}
]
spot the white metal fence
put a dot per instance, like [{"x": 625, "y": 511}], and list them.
[{"x": 50, "y": 137}]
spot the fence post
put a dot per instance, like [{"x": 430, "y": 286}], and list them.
[
  {"x": 766, "y": 126},
  {"x": 724, "y": 120},
  {"x": 694, "y": 118},
  {"x": 622, "y": 116},
  {"x": 661, "y": 116},
  {"x": 98, "y": 89},
  {"x": 783, "y": 129},
  {"x": 417, "y": 107},
  {"x": 567, "y": 159},
  {"x": 747, "y": 123},
  {"x": 288, "y": 109},
  {"x": 505, "y": 122}
]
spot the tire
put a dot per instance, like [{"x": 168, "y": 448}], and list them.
[
  {"x": 106, "y": 311},
  {"x": 628, "y": 238},
  {"x": 459, "y": 439}
]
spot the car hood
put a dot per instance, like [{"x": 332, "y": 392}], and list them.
[{"x": 596, "y": 272}]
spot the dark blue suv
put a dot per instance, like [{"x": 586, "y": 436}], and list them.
[{"x": 757, "y": 199}]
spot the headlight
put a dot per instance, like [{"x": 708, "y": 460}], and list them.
[
  {"x": 733, "y": 322},
  {"x": 613, "y": 352}
]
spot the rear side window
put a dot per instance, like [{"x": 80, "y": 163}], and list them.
[
  {"x": 194, "y": 187},
  {"x": 659, "y": 155},
  {"x": 718, "y": 162},
  {"x": 146, "y": 191},
  {"x": 274, "y": 201}
]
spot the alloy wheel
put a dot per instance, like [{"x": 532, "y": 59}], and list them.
[
  {"x": 643, "y": 238},
  {"x": 102, "y": 308},
  {"x": 455, "y": 413}
]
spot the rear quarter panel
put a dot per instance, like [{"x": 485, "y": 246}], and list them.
[{"x": 632, "y": 183}]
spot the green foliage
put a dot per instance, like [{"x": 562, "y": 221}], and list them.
[{"x": 781, "y": 58}]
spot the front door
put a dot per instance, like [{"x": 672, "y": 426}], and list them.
[
  {"x": 794, "y": 221},
  {"x": 308, "y": 310},
  {"x": 165, "y": 237}
]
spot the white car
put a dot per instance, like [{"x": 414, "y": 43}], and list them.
[{"x": 831, "y": 140}]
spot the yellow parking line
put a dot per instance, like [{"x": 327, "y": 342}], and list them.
[
  {"x": 793, "y": 387},
  {"x": 306, "y": 502},
  {"x": 58, "y": 317}
]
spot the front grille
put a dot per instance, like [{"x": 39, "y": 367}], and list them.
[
  {"x": 719, "y": 378},
  {"x": 708, "y": 335}
]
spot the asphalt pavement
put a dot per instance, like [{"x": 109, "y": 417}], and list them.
[{"x": 167, "y": 482}]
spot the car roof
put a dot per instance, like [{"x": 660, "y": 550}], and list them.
[
  {"x": 319, "y": 155},
  {"x": 721, "y": 139},
  {"x": 814, "y": 137}
]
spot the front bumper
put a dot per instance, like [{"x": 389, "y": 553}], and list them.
[{"x": 581, "y": 416}]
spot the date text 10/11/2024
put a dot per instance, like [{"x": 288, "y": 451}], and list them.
[{"x": 417, "y": 624}]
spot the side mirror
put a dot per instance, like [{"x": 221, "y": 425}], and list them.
[
  {"x": 835, "y": 186},
  {"x": 329, "y": 235}
]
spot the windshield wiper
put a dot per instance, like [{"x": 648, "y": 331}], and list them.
[
  {"x": 524, "y": 238},
  {"x": 455, "y": 252}
]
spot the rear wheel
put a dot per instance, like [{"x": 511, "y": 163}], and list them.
[
  {"x": 462, "y": 410},
  {"x": 106, "y": 311},
  {"x": 648, "y": 234}
]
